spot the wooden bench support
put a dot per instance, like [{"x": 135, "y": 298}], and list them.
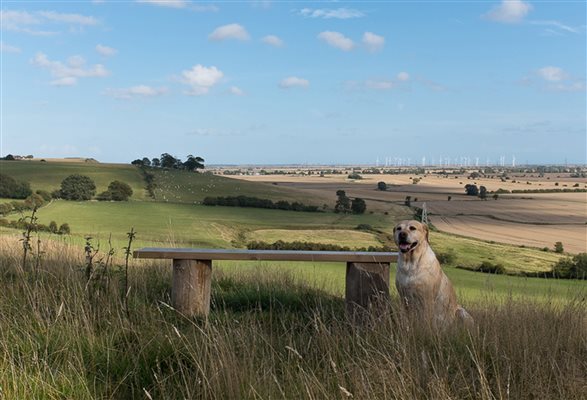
[
  {"x": 190, "y": 290},
  {"x": 367, "y": 286}
]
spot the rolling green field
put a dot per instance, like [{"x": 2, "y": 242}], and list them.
[
  {"x": 48, "y": 175},
  {"x": 187, "y": 187}
]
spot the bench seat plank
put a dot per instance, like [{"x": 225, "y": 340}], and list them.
[{"x": 264, "y": 255}]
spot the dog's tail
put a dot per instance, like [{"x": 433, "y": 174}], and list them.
[{"x": 465, "y": 318}]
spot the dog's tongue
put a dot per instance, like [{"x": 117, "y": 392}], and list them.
[{"x": 404, "y": 246}]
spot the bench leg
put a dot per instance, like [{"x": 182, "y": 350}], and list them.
[
  {"x": 367, "y": 286},
  {"x": 190, "y": 290}
]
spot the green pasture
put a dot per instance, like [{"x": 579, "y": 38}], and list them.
[
  {"x": 471, "y": 287},
  {"x": 188, "y": 187},
  {"x": 190, "y": 225},
  {"x": 48, "y": 175}
]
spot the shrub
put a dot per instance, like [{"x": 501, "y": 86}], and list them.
[
  {"x": 44, "y": 194},
  {"x": 364, "y": 227},
  {"x": 358, "y": 206},
  {"x": 448, "y": 257},
  {"x": 34, "y": 201},
  {"x": 471, "y": 190},
  {"x": 558, "y": 247},
  {"x": 53, "y": 227},
  {"x": 5, "y": 208},
  {"x": 571, "y": 268},
  {"x": 12, "y": 189},
  {"x": 490, "y": 268},
  {"x": 64, "y": 229},
  {"x": 77, "y": 187},
  {"x": 355, "y": 175},
  {"x": 382, "y": 186}
]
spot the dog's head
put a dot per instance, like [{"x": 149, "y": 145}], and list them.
[{"x": 409, "y": 235}]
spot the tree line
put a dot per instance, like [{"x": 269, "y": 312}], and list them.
[
  {"x": 255, "y": 202},
  {"x": 166, "y": 160}
]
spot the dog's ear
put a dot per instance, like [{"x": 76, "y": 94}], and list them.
[{"x": 426, "y": 231}]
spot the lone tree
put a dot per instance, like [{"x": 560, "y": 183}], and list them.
[
  {"x": 117, "y": 191},
  {"x": 483, "y": 192},
  {"x": 358, "y": 206},
  {"x": 471, "y": 190},
  {"x": 382, "y": 186},
  {"x": 343, "y": 203},
  {"x": 193, "y": 163},
  {"x": 558, "y": 247},
  {"x": 77, "y": 187}
]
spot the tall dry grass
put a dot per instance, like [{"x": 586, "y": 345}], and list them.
[{"x": 267, "y": 337}]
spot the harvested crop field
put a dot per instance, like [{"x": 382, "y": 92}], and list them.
[{"x": 529, "y": 219}]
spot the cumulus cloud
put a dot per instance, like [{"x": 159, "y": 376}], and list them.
[
  {"x": 237, "y": 91},
  {"x": 67, "y": 74},
  {"x": 230, "y": 31},
  {"x": 105, "y": 50},
  {"x": 327, "y": 13},
  {"x": 373, "y": 42},
  {"x": 294, "y": 81},
  {"x": 337, "y": 39},
  {"x": 403, "y": 77},
  {"x": 201, "y": 79},
  {"x": 32, "y": 23},
  {"x": 140, "y": 91},
  {"x": 272, "y": 40},
  {"x": 509, "y": 11},
  {"x": 6, "y": 48},
  {"x": 552, "y": 74}
]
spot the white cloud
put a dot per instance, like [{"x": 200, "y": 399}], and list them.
[
  {"x": 552, "y": 74},
  {"x": 72, "y": 19},
  {"x": 30, "y": 23},
  {"x": 556, "y": 24},
  {"x": 67, "y": 81},
  {"x": 327, "y": 13},
  {"x": 509, "y": 11},
  {"x": 383, "y": 84},
  {"x": 272, "y": 40},
  {"x": 6, "y": 48},
  {"x": 373, "y": 42},
  {"x": 336, "y": 39},
  {"x": 294, "y": 81},
  {"x": 68, "y": 73},
  {"x": 237, "y": 91},
  {"x": 230, "y": 31},
  {"x": 143, "y": 91},
  {"x": 166, "y": 3},
  {"x": 201, "y": 79},
  {"x": 105, "y": 50},
  {"x": 403, "y": 76}
]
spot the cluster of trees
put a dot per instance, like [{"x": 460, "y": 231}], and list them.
[
  {"x": 192, "y": 163},
  {"x": 12, "y": 189},
  {"x": 571, "y": 268},
  {"x": 473, "y": 190},
  {"x": 80, "y": 187},
  {"x": 309, "y": 246},
  {"x": 254, "y": 202},
  {"x": 345, "y": 205}
]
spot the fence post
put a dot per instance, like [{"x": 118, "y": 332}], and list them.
[
  {"x": 190, "y": 290},
  {"x": 367, "y": 286}
]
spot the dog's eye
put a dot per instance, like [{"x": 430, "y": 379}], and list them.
[
  {"x": 412, "y": 228},
  {"x": 398, "y": 228}
]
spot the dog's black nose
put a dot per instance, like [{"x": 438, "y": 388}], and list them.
[{"x": 403, "y": 235}]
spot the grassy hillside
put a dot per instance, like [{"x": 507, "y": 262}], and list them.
[
  {"x": 48, "y": 175},
  {"x": 187, "y": 187}
]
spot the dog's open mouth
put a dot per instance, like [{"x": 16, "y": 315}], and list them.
[{"x": 404, "y": 247}]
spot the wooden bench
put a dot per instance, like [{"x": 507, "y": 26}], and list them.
[{"x": 367, "y": 273}]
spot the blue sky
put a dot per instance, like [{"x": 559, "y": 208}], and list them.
[{"x": 295, "y": 82}]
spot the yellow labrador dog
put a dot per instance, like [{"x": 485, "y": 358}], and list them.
[{"x": 422, "y": 285}]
